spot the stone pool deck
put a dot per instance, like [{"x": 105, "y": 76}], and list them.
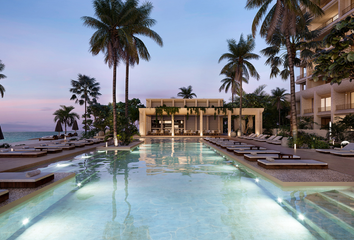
[{"x": 340, "y": 170}]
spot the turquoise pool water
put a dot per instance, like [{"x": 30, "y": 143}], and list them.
[{"x": 168, "y": 189}]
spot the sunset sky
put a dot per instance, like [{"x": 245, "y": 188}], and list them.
[{"x": 44, "y": 45}]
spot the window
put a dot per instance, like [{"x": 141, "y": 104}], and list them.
[{"x": 325, "y": 104}]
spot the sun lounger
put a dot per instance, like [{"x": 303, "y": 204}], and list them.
[
  {"x": 252, "y": 137},
  {"x": 346, "y": 149},
  {"x": 4, "y": 195},
  {"x": 245, "y": 147},
  {"x": 32, "y": 149},
  {"x": 349, "y": 153},
  {"x": 48, "y": 138},
  {"x": 20, "y": 154},
  {"x": 292, "y": 164},
  {"x": 274, "y": 139},
  {"x": 260, "y": 138},
  {"x": 246, "y": 136},
  {"x": 248, "y": 151},
  {"x": 20, "y": 180},
  {"x": 255, "y": 157},
  {"x": 267, "y": 139}
]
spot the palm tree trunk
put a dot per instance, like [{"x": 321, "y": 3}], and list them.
[
  {"x": 279, "y": 117},
  {"x": 241, "y": 105},
  {"x": 292, "y": 88},
  {"x": 85, "y": 119},
  {"x": 126, "y": 87},
  {"x": 114, "y": 103}
]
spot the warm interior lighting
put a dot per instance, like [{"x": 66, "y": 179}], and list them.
[{"x": 25, "y": 221}]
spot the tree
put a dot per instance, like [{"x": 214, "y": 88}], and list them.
[
  {"x": 85, "y": 91},
  {"x": 142, "y": 26},
  {"x": 229, "y": 83},
  {"x": 283, "y": 17},
  {"x": 134, "y": 105},
  {"x": 186, "y": 93},
  {"x": 101, "y": 116},
  {"x": 2, "y": 76},
  {"x": 64, "y": 115},
  {"x": 238, "y": 62},
  {"x": 336, "y": 64},
  {"x": 279, "y": 98},
  {"x": 113, "y": 27}
]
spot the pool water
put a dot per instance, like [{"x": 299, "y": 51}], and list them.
[{"x": 168, "y": 189}]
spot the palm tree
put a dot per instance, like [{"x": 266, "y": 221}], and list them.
[
  {"x": 2, "y": 76},
  {"x": 113, "y": 27},
  {"x": 64, "y": 115},
  {"x": 186, "y": 93},
  {"x": 283, "y": 17},
  {"x": 142, "y": 26},
  {"x": 238, "y": 61},
  {"x": 279, "y": 98},
  {"x": 229, "y": 83},
  {"x": 85, "y": 90}
]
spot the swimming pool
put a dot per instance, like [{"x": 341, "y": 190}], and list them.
[{"x": 170, "y": 189}]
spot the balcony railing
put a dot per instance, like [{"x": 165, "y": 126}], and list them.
[
  {"x": 309, "y": 110},
  {"x": 328, "y": 22},
  {"x": 324, "y": 3},
  {"x": 347, "y": 9},
  {"x": 345, "y": 106},
  {"x": 324, "y": 109}
]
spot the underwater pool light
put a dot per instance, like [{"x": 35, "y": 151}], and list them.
[
  {"x": 63, "y": 164},
  {"x": 79, "y": 184},
  {"x": 301, "y": 217},
  {"x": 279, "y": 200},
  {"x": 86, "y": 156},
  {"x": 25, "y": 221},
  {"x": 236, "y": 165},
  {"x": 257, "y": 180}
]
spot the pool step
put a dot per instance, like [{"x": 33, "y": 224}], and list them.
[
  {"x": 332, "y": 212},
  {"x": 325, "y": 218},
  {"x": 341, "y": 199}
]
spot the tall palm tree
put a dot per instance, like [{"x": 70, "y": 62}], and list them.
[
  {"x": 238, "y": 61},
  {"x": 282, "y": 17},
  {"x": 229, "y": 83},
  {"x": 113, "y": 25},
  {"x": 186, "y": 93},
  {"x": 2, "y": 76},
  {"x": 85, "y": 90},
  {"x": 141, "y": 26},
  {"x": 64, "y": 115},
  {"x": 279, "y": 98}
]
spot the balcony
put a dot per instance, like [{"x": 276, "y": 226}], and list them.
[
  {"x": 347, "y": 9},
  {"x": 309, "y": 110},
  {"x": 301, "y": 76},
  {"x": 324, "y": 3},
  {"x": 324, "y": 109},
  {"x": 345, "y": 106}
]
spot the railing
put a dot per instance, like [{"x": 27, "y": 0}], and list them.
[
  {"x": 309, "y": 110},
  {"x": 324, "y": 109},
  {"x": 345, "y": 106},
  {"x": 324, "y": 3},
  {"x": 329, "y": 21},
  {"x": 347, "y": 9}
]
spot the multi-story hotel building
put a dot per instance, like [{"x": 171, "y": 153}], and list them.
[
  {"x": 209, "y": 120},
  {"x": 321, "y": 100}
]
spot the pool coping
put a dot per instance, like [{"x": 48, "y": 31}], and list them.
[
  {"x": 23, "y": 199},
  {"x": 276, "y": 180}
]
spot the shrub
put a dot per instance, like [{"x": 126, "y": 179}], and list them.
[
  {"x": 5, "y": 145},
  {"x": 305, "y": 140}
]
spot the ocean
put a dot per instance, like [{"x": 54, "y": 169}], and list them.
[{"x": 11, "y": 137}]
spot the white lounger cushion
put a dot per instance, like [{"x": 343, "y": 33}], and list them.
[
  {"x": 21, "y": 177},
  {"x": 3, "y": 191},
  {"x": 269, "y": 155},
  {"x": 257, "y": 151},
  {"x": 292, "y": 162}
]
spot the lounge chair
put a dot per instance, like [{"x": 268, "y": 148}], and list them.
[
  {"x": 276, "y": 140},
  {"x": 266, "y": 139},
  {"x": 346, "y": 149},
  {"x": 248, "y": 151},
  {"x": 4, "y": 195},
  {"x": 245, "y": 147},
  {"x": 263, "y": 137},
  {"x": 246, "y": 136},
  {"x": 255, "y": 157},
  {"x": 49, "y": 138},
  {"x": 6, "y": 153},
  {"x": 20, "y": 180},
  {"x": 344, "y": 153},
  {"x": 292, "y": 164},
  {"x": 252, "y": 137}
]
